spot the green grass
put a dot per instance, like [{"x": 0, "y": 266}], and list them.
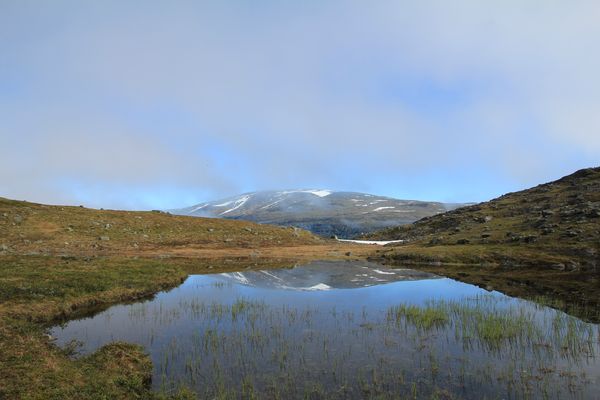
[{"x": 421, "y": 317}]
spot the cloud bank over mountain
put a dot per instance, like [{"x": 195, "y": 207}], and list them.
[{"x": 167, "y": 103}]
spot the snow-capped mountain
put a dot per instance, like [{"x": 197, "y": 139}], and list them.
[{"x": 324, "y": 212}]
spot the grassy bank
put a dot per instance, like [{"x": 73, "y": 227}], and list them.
[{"x": 39, "y": 291}]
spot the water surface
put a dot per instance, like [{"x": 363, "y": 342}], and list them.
[{"x": 349, "y": 330}]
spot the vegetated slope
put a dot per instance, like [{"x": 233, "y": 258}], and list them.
[
  {"x": 29, "y": 228},
  {"x": 556, "y": 224},
  {"x": 323, "y": 212}
]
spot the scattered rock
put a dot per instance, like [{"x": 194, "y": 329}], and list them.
[
  {"x": 211, "y": 230},
  {"x": 530, "y": 238},
  {"x": 228, "y": 240},
  {"x": 104, "y": 238},
  {"x": 463, "y": 241},
  {"x": 348, "y": 253},
  {"x": 488, "y": 218},
  {"x": 435, "y": 241},
  {"x": 547, "y": 213},
  {"x": 594, "y": 214},
  {"x": 3, "y": 247},
  {"x": 107, "y": 226},
  {"x": 248, "y": 229},
  {"x": 17, "y": 219}
]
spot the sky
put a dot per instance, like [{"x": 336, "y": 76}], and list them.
[{"x": 164, "y": 104}]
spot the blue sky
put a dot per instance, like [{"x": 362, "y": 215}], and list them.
[{"x": 163, "y": 104}]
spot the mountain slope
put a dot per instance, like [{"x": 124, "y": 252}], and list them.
[
  {"x": 324, "y": 212},
  {"x": 555, "y": 224}
]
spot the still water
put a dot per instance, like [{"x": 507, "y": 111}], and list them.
[{"x": 349, "y": 330}]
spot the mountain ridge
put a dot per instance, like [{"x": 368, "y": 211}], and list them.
[{"x": 321, "y": 211}]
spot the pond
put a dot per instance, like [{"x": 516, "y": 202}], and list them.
[{"x": 349, "y": 330}]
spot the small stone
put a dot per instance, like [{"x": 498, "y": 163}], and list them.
[
  {"x": 485, "y": 235},
  {"x": 530, "y": 239},
  {"x": 435, "y": 241},
  {"x": 463, "y": 241},
  {"x": 228, "y": 240},
  {"x": 558, "y": 267},
  {"x": 104, "y": 238},
  {"x": 349, "y": 253},
  {"x": 488, "y": 218},
  {"x": 3, "y": 247},
  {"x": 211, "y": 230},
  {"x": 18, "y": 219},
  {"x": 547, "y": 213}
]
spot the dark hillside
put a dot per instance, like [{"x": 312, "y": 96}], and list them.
[{"x": 556, "y": 224}]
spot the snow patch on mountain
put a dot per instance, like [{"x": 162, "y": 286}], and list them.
[
  {"x": 382, "y": 208},
  {"x": 238, "y": 203}
]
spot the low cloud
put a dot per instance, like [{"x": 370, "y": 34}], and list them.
[{"x": 198, "y": 100}]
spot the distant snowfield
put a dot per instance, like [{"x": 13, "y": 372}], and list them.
[{"x": 378, "y": 242}]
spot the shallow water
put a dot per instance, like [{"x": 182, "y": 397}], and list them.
[{"x": 350, "y": 330}]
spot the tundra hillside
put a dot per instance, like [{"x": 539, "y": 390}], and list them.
[{"x": 543, "y": 239}]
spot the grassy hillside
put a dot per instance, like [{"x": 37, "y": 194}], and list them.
[
  {"x": 36, "y": 229},
  {"x": 555, "y": 225}
]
